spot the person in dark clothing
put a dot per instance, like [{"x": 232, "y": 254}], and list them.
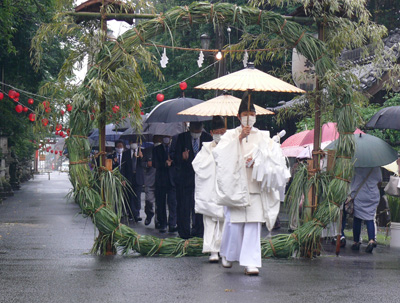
[
  {"x": 165, "y": 186},
  {"x": 188, "y": 144},
  {"x": 116, "y": 156},
  {"x": 132, "y": 170}
]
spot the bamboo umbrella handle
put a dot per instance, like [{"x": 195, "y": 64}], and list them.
[{"x": 248, "y": 111}]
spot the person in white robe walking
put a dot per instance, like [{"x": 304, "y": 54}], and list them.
[
  {"x": 250, "y": 171},
  {"x": 205, "y": 192}
]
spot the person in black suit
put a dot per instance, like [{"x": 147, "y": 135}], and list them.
[
  {"x": 165, "y": 186},
  {"x": 116, "y": 156},
  {"x": 188, "y": 144},
  {"x": 132, "y": 170}
]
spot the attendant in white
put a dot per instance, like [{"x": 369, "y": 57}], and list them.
[
  {"x": 205, "y": 192},
  {"x": 251, "y": 170}
]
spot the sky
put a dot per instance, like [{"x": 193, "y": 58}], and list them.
[{"x": 118, "y": 28}]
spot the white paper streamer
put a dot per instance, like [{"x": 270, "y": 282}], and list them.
[
  {"x": 164, "y": 59},
  {"x": 201, "y": 59}
]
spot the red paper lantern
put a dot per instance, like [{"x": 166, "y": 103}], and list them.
[
  {"x": 59, "y": 127},
  {"x": 140, "y": 103},
  {"x": 68, "y": 131},
  {"x": 45, "y": 122},
  {"x": 92, "y": 117},
  {"x": 30, "y": 101},
  {"x": 160, "y": 97},
  {"x": 69, "y": 107},
  {"x": 19, "y": 108},
  {"x": 52, "y": 151},
  {"x": 57, "y": 132},
  {"x": 56, "y": 152},
  {"x": 115, "y": 109},
  {"x": 16, "y": 95},
  {"x": 46, "y": 104},
  {"x": 61, "y": 133},
  {"x": 1, "y": 96},
  {"x": 62, "y": 112},
  {"x": 25, "y": 109},
  {"x": 48, "y": 110},
  {"x": 16, "y": 99},
  {"x": 32, "y": 117},
  {"x": 11, "y": 94},
  {"x": 142, "y": 113},
  {"x": 183, "y": 85}
]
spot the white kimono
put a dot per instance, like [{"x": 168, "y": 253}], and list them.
[
  {"x": 206, "y": 198},
  {"x": 252, "y": 194}
]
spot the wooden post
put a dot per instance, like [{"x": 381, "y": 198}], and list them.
[
  {"x": 102, "y": 121},
  {"x": 317, "y": 125}
]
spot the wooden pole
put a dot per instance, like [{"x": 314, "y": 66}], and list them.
[
  {"x": 130, "y": 17},
  {"x": 102, "y": 121},
  {"x": 317, "y": 126}
]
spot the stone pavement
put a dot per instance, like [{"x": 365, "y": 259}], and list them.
[{"x": 44, "y": 257}]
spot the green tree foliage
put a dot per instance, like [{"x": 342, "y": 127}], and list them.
[{"x": 19, "y": 21}]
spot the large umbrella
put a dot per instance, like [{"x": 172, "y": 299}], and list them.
[
  {"x": 111, "y": 134},
  {"x": 294, "y": 145},
  {"x": 370, "y": 151},
  {"x": 386, "y": 118},
  {"x": 224, "y": 105},
  {"x": 151, "y": 129},
  {"x": 168, "y": 110},
  {"x": 250, "y": 79}
]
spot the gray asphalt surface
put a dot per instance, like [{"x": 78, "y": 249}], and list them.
[{"x": 44, "y": 257}]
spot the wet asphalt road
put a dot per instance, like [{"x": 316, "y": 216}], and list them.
[{"x": 44, "y": 245}]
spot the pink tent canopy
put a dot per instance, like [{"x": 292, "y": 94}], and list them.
[{"x": 295, "y": 144}]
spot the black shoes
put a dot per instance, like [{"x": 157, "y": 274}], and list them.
[
  {"x": 173, "y": 229},
  {"x": 356, "y": 246},
  {"x": 162, "y": 230},
  {"x": 342, "y": 242},
  {"x": 370, "y": 247},
  {"x": 138, "y": 219},
  {"x": 148, "y": 220}
]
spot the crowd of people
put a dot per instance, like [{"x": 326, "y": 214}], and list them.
[{"x": 220, "y": 186}]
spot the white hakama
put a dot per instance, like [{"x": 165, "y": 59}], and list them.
[
  {"x": 241, "y": 242},
  {"x": 212, "y": 234}
]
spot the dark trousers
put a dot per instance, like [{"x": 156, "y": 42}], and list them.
[
  {"x": 186, "y": 214},
  {"x": 357, "y": 229},
  {"x": 149, "y": 200},
  {"x": 134, "y": 200},
  {"x": 166, "y": 195}
]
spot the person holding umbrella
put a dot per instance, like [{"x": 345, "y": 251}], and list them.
[
  {"x": 187, "y": 145},
  {"x": 365, "y": 191},
  {"x": 250, "y": 171},
  {"x": 205, "y": 192},
  {"x": 132, "y": 170}
]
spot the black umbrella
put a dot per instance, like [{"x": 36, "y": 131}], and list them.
[
  {"x": 370, "y": 151},
  {"x": 168, "y": 110},
  {"x": 388, "y": 117}
]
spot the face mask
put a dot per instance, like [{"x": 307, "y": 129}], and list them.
[
  {"x": 134, "y": 145},
  {"x": 195, "y": 135},
  {"x": 252, "y": 120},
  {"x": 119, "y": 150},
  {"x": 157, "y": 144},
  {"x": 165, "y": 140},
  {"x": 217, "y": 137}
]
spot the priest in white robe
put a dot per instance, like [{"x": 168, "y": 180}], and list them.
[
  {"x": 205, "y": 192},
  {"x": 250, "y": 172}
]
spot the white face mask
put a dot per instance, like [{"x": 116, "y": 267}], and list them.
[
  {"x": 134, "y": 145},
  {"x": 195, "y": 135},
  {"x": 217, "y": 137},
  {"x": 119, "y": 150},
  {"x": 252, "y": 120}
]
